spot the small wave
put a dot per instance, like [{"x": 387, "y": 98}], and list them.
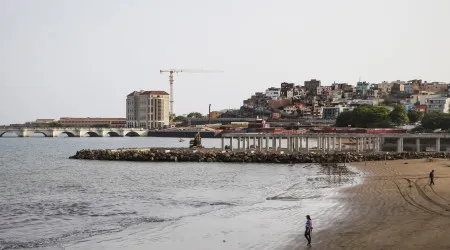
[
  {"x": 112, "y": 214},
  {"x": 216, "y": 203},
  {"x": 53, "y": 241},
  {"x": 283, "y": 198},
  {"x": 135, "y": 221}
]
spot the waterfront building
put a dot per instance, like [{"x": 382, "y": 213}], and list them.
[
  {"x": 147, "y": 109},
  {"x": 440, "y": 104},
  {"x": 44, "y": 121},
  {"x": 86, "y": 122}
]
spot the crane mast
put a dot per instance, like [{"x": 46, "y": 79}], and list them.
[{"x": 171, "y": 80}]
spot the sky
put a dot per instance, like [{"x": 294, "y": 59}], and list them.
[{"x": 80, "y": 58}]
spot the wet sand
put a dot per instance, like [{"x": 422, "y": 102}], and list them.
[{"x": 394, "y": 208}]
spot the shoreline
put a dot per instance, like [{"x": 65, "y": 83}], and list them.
[{"x": 393, "y": 208}]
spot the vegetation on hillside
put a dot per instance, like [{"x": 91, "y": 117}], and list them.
[{"x": 365, "y": 116}]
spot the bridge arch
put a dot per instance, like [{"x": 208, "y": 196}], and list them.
[
  {"x": 68, "y": 133},
  {"x": 132, "y": 134},
  {"x": 112, "y": 134},
  {"x": 33, "y": 133},
  {"x": 91, "y": 134},
  {"x": 8, "y": 132}
]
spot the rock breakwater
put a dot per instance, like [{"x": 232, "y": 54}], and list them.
[{"x": 214, "y": 155}]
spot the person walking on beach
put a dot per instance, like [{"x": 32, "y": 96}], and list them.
[
  {"x": 308, "y": 229},
  {"x": 432, "y": 177}
]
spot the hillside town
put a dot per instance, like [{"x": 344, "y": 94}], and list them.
[
  {"x": 316, "y": 101},
  {"x": 311, "y": 102}
]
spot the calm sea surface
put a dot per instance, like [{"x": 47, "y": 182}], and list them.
[{"x": 50, "y": 202}]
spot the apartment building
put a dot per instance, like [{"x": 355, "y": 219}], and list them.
[
  {"x": 440, "y": 104},
  {"x": 312, "y": 85},
  {"x": 147, "y": 109},
  {"x": 273, "y": 93}
]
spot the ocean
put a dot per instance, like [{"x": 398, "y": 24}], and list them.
[{"x": 48, "y": 201}]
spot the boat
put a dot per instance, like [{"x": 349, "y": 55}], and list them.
[{"x": 181, "y": 140}]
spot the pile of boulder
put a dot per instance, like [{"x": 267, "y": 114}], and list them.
[{"x": 214, "y": 155}]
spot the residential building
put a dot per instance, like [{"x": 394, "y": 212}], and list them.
[
  {"x": 421, "y": 108},
  {"x": 398, "y": 87},
  {"x": 362, "y": 87},
  {"x": 257, "y": 100},
  {"x": 436, "y": 87},
  {"x": 384, "y": 88},
  {"x": 323, "y": 90},
  {"x": 409, "y": 89},
  {"x": 312, "y": 85},
  {"x": 440, "y": 104},
  {"x": 290, "y": 109},
  {"x": 423, "y": 99},
  {"x": 43, "y": 121},
  {"x": 414, "y": 86},
  {"x": 147, "y": 109},
  {"x": 92, "y": 122},
  {"x": 330, "y": 113},
  {"x": 285, "y": 87},
  {"x": 273, "y": 93}
]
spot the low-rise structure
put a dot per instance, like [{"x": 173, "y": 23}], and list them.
[
  {"x": 421, "y": 108},
  {"x": 86, "y": 122},
  {"x": 273, "y": 93},
  {"x": 330, "y": 113},
  {"x": 440, "y": 104}
]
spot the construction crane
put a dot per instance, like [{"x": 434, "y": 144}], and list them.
[{"x": 171, "y": 71}]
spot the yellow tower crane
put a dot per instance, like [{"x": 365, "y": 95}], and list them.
[{"x": 171, "y": 71}]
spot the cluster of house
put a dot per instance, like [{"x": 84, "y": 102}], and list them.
[{"x": 312, "y": 100}]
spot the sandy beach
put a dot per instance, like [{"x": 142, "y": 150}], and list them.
[{"x": 394, "y": 208}]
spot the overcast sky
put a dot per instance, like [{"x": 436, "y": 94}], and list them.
[{"x": 81, "y": 58}]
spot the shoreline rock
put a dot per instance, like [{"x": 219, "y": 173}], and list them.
[{"x": 219, "y": 155}]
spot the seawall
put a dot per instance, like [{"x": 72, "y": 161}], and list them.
[{"x": 218, "y": 155}]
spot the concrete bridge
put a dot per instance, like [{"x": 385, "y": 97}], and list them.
[
  {"x": 329, "y": 142},
  {"x": 75, "y": 132}
]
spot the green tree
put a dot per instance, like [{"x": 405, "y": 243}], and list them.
[
  {"x": 194, "y": 115},
  {"x": 398, "y": 115},
  {"x": 365, "y": 116},
  {"x": 171, "y": 117},
  {"x": 179, "y": 119},
  {"x": 436, "y": 120},
  {"x": 415, "y": 116}
]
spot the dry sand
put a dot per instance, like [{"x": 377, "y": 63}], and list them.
[{"x": 394, "y": 208}]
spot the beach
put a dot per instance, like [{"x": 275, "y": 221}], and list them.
[{"x": 394, "y": 208}]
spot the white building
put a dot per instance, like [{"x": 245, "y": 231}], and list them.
[
  {"x": 273, "y": 93},
  {"x": 440, "y": 104},
  {"x": 147, "y": 109}
]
